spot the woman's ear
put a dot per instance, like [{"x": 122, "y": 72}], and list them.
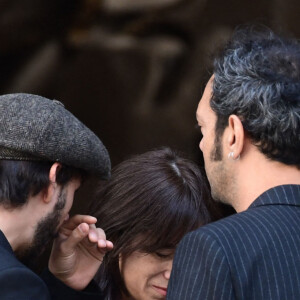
[{"x": 235, "y": 136}]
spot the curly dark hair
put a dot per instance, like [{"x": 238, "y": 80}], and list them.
[{"x": 257, "y": 78}]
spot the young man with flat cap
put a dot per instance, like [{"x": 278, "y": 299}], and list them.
[
  {"x": 249, "y": 117},
  {"x": 45, "y": 153}
]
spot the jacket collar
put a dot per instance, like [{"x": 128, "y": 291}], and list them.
[
  {"x": 4, "y": 242},
  {"x": 279, "y": 195}
]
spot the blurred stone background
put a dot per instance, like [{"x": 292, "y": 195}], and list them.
[{"x": 131, "y": 70}]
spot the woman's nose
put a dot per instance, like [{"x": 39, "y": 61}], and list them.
[
  {"x": 167, "y": 274},
  {"x": 168, "y": 269}
]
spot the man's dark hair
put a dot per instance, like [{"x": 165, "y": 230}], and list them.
[
  {"x": 21, "y": 179},
  {"x": 151, "y": 201},
  {"x": 257, "y": 78}
]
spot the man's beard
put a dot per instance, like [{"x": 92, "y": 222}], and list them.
[
  {"x": 217, "y": 153},
  {"x": 46, "y": 231},
  {"x": 218, "y": 177}
]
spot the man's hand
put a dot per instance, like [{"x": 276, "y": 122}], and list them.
[{"x": 78, "y": 251}]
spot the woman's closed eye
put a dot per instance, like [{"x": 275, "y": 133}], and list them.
[{"x": 165, "y": 253}]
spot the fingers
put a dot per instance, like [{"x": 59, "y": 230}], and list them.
[
  {"x": 73, "y": 222},
  {"x": 105, "y": 245},
  {"x": 109, "y": 245},
  {"x": 97, "y": 235},
  {"x": 77, "y": 235},
  {"x": 81, "y": 229}
]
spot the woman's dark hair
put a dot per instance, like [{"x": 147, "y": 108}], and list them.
[
  {"x": 21, "y": 179},
  {"x": 151, "y": 201}
]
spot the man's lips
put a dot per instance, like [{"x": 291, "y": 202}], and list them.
[{"x": 161, "y": 290}]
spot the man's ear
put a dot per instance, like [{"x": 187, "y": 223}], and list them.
[
  {"x": 235, "y": 136},
  {"x": 52, "y": 187},
  {"x": 53, "y": 172}
]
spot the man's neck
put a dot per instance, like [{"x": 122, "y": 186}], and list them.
[
  {"x": 259, "y": 176},
  {"x": 13, "y": 227},
  {"x": 18, "y": 223}
]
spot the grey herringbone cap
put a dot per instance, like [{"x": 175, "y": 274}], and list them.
[{"x": 36, "y": 128}]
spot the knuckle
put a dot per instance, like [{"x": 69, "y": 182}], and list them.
[{"x": 101, "y": 233}]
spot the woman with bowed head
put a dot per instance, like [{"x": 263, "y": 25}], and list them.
[{"x": 151, "y": 201}]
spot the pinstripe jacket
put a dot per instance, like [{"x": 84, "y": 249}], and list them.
[{"x": 254, "y": 254}]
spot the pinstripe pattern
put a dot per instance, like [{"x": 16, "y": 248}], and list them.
[{"x": 251, "y": 255}]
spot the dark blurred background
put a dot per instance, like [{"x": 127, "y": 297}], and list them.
[{"x": 131, "y": 70}]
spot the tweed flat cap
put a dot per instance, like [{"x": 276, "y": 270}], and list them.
[{"x": 36, "y": 128}]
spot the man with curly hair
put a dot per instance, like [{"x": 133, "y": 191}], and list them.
[{"x": 249, "y": 116}]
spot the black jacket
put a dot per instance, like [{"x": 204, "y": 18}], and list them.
[{"x": 19, "y": 282}]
